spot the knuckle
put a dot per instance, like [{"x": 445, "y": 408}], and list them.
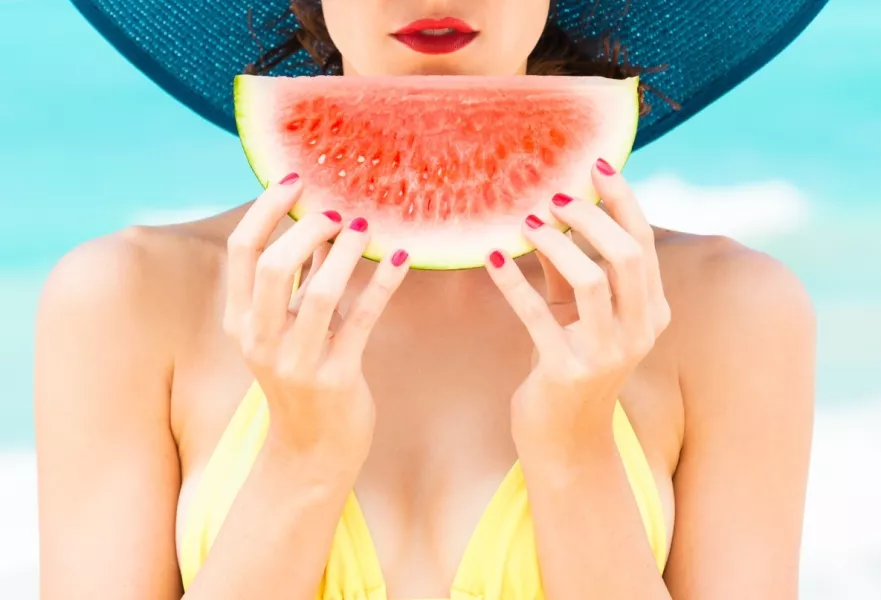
[
  {"x": 258, "y": 353},
  {"x": 361, "y": 318},
  {"x": 329, "y": 381},
  {"x": 645, "y": 236},
  {"x": 534, "y": 310},
  {"x": 591, "y": 281},
  {"x": 240, "y": 243},
  {"x": 572, "y": 373},
  {"x": 642, "y": 344},
  {"x": 321, "y": 296},
  {"x": 628, "y": 255},
  {"x": 382, "y": 289},
  {"x": 290, "y": 372},
  {"x": 271, "y": 266}
]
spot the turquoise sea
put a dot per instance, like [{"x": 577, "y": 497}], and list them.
[{"x": 788, "y": 163}]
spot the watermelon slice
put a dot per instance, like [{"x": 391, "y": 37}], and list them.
[{"x": 446, "y": 167}]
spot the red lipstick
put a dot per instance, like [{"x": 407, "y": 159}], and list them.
[{"x": 436, "y": 36}]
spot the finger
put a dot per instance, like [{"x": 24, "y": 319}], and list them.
[
  {"x": 559, "y": 294},
  {"x": 300, "y": 285},
  {"x": 323, "y": 295},
  {"x": 530, "y": 307},
  {"x": 279, "y": 266},
  {"x": 621, "y": 204},
  {"x": 352, "y": 336},
  {"x": 627, "y": 276},
  {"x": 247, "y": 241},
  {"x": 589, "y": 283}
]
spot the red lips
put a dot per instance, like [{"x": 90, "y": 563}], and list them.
[{"x": 436, "y": 36}]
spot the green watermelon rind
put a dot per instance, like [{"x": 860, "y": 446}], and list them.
[{"x": 245, "y": 95}]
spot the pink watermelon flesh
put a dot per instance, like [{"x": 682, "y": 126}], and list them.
[{"x": 444, "y": 167}]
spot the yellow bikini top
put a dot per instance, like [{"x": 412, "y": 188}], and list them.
[{"x": 500, "y": 560}]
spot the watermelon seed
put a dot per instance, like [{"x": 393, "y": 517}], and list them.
[
  {"x": 296, "y": 124},
  {"x": 375, "y": 161},
  {"x": 339, "y": 156},
  {"x": 558, "y": 138},
  {"x": 343, "y": 173},
  {"x": 322, "y": 159},
  {"x": 532, "y": 174},
  {"x": 361, "y": 159}
]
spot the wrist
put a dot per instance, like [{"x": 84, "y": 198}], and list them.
[
  {"x": 316, "y": 468},
  {"x": 567, "y": 456}
]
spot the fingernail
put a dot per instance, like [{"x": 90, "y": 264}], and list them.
[
  {"x": 534, "y": 222},
  {"x": 358, "y": 224},
  {"x": 333, "y": 216},
  {"x": 561, "y": 199},
  {"x": 290, "y": 179},
  {"x": 497, "y": 259},
  {"x": 399, "y": 257},
  {"x": 605, "y": 168}
]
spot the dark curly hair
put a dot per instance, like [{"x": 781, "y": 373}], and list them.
[{"x": 556, "y": 53}]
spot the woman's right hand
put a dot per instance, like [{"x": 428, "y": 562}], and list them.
[{"x": 308, "y": 367}]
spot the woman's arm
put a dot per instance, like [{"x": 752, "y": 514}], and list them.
[
  {"x": 747, "y": 376},
  {"x": 109, "y": 474},
  {"x": 107, "y": 461},
  {"x": 747, "y": 354}
]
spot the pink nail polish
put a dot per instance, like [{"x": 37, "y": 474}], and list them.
[
  {"x": 290, "y": 179},
  {"x": 561, "y": 199},
  {"x": 358, "y": 224},
  {"x": 333, "y": 216},
  {"x": 497, "y": 259},
  {"x": 399, "y": 257},
  {"x": 534, "y": 222},
  {"x": 605, "y": 168}
]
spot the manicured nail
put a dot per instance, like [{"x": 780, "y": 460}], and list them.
[
  {"x": 333, "y": 216},
  {"x": 561, "y": 199},
  {"x": 358, "y": 224},
  {"x": 534, "y": 222},
  {"x": 290, "y": 179},
  {"x": 605, "y": 168},
  {"x": 497, "y": 259},
  {"x": 399, "y": 257}
]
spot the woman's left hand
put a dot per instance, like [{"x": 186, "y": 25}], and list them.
[{"x": 597, "y": 323}]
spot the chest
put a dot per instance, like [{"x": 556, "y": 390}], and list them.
[
  {"x": 442, "y": 451},
  {"x": 437, "y": 483}
]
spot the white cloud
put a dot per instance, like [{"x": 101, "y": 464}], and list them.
[
  {"x": 168, "y": 216},
  {"x": 743, "y": 211}
]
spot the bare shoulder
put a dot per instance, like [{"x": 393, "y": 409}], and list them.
[
  {"x": 148, "y": 274},
  {"x": 734, "y": 308},
  {"x": 126, "y": 303},
  {"x": 708, "y": 277}
]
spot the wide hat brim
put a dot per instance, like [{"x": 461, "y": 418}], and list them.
[{"x": 194, "y": 48}]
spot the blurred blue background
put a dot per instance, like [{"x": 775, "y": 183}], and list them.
[{"x": 787, "y": 163}]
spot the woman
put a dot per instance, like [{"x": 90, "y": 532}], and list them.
[{"x": 629, "y": 374}]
